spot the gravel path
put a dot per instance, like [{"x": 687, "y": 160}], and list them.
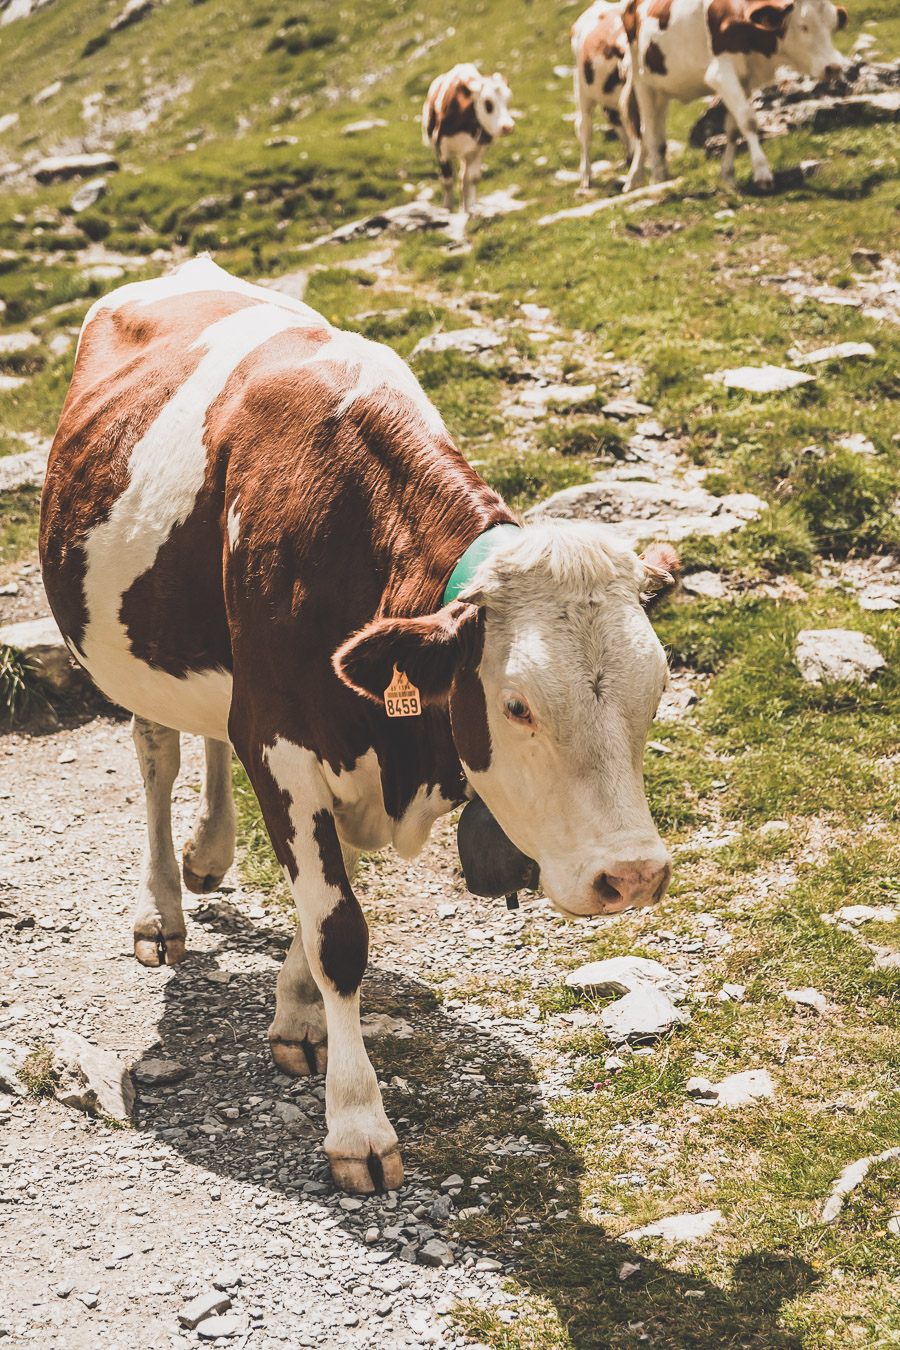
[{"x": 223, "y": 1183}]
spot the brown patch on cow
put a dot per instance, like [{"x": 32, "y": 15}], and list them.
[
  {"x": 743, "y": 27},
  {"x": 453, "y": 114},
  {"x": 588, "y": 71},
  {"x": 131, "y": 362},
  {"x": 630, "y": 20},
  {"x": 654, "y": 59},
  {"x": 661, "y": 11},
  {"x": 429, "y": 650},
  {"x": 613, "y": 80},
  {"x": 344, "y": 933},
  {"x": 605, "y": 41}
]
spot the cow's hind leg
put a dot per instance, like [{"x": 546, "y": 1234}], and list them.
[
  {"x": 446, "y": 168},
  {"x": 209, "y": 852},
  {"x": 298, "y": 1034},
  {"x": 159, "y": 930}
]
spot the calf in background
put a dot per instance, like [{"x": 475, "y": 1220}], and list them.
[{"x": 463, "y": 114}]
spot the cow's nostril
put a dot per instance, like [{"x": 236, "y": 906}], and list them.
[{"x": 606, "y": 890}]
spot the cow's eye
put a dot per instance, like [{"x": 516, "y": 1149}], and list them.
[
  {"x": 488, "y": 106},
  {"x": 517, "y": 711}
]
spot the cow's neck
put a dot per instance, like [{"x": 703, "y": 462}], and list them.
[{"x": 441, "y": 524}]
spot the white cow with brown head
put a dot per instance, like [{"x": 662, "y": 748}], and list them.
[
  {"x": 687, "y": 48},
  {"x": 464, "y": 112},
  {"x": 603, "y": 77}
]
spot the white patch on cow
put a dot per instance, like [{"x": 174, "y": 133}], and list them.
[
  {"x": 356, "y": 1120},
  {"x": 359, "y": 814},
  {"x": 566, "y": 634},
  {"x": 412, "y": 830},
  {"x": 234, "y": 526},
  {"x": 167, "y": 468}
]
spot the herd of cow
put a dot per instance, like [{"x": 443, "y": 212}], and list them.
[
  {"x": 256, "y": 528},
  {"x": 632, "y": 59}
]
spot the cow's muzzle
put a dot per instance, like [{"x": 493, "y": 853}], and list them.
[{"x": 491, "y": 863}]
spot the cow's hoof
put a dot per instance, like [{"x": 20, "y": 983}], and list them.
[
  {"x": 160, "y": 950},
  {"x": 764, "y": 185},
  {"x": 378, "y": 1172},
  {"x": 299, "y": 1057},
  {"x": 200, "y": 885}
]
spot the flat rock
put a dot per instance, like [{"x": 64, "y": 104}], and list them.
[
  {"x": 541, "y": 395},
  {"x": 60, "y": 167},
  {"x": 624, "y": 408},
  {"x": 625, "y": 975},
  {"x": 289, "y": 1114},
  {"x": 88, "y": 194},
  {"x": 849, "y": 1179},
  {"x": 592, "y": 208},
  {"x": 708, "y": 585},
  {"x": 381, "y": 1024},
  {"x": 641, "y": 1016},
  {"x": 677, "y": 1227},
  {"x": 839, "y": 352},
  {"x": 13, "y": 344},
  {"x": 367, "y": 124},
  {"x": 9, "y": 1074},
  {"x": 829, "y": 655},
  {"x": 468, "y": 340},
  {"x": 732, "y": 993},
  {"x": 214, "y": 1327},
  {"x": 760, "y": 379},
  {"x": 41, "y": 642},
  {"x": 634, "y": 510},
  {"x": 204, "y": 1306},
  {"x": 133, "y": 12},
  {"x": 151, "y": 1072},
  {"x": 91, "y": 1079},
  {"x": 857, "y": 914},
  {"x": 738, "y": 1089},
  {"x": 807, "y": 998},
  {"x": 857, "y": 444}
]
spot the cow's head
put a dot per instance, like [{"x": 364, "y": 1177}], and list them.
[
  {"x": 807, "y": 43},
  {"x": 553, "y": 674},
  {"x": 491, "y": 95}
]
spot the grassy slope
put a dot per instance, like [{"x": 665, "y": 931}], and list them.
[{"x": 678, "y": 300}]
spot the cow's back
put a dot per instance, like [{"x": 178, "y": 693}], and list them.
[{"x": 133, "y": 526}]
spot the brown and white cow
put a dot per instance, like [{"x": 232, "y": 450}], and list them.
[
  {"x": 603, "y": 76},
  {"x": 248, "y": 526},
  {"x": 687, "y": 48},
  {"x": 463, "y": 113}
]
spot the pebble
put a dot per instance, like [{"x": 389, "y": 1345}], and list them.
[
  {"x": 436, "y": 1252},
  {"x": 640, "y": 1016},
  {"x": 202, "y": 1307},
  {"x": 228, "y": 1278},
  {"x": 214, "y": 1327}
]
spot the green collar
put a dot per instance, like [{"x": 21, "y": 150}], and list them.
[{"x": 474, "y": 555}]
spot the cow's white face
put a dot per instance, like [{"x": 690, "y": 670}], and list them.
[
  {"x": 553, "y": 674},
  {"x": 807, "y": 43},
  {"x": 492, "y": 96},
  {"x": 572, "y": 673}
]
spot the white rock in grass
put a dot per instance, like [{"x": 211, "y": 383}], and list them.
[
  {"x": 732, "y": 993},
  {"x": 625, "y": 975},
  {"x": 849, "y": 1179},
  {"x": 677, "y": 1227},
  {"x": 760, "y": 379},
  {"x": 641, "y": 1016},
  {"x": 894, "y": 1225},
  {"x": 807, "y": 998},
  {"x": 627, "y": 1269},
  {"x": 381, "y": 1024},
  {"x": 468, "y": 340},
  {"x": 91, "y": 1079},
  {"x": 835, "y": 654},
  {"x": 708, "y": 585},
  {"x": 839, "y": 352},
  {"x": 858, "y": 444},
  {"x": 738, "y": 1089},
  {"x": 857, "y": 914}
]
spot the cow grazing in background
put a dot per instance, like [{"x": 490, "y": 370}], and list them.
[
  {"x": 463, "y": 113},
  {"x": 687, "y": 48},
  {"x": 255, "y": 528},
  {"x": 603, "y": 76}
]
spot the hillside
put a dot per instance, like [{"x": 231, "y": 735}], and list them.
[{"x": 252, "y": 132}]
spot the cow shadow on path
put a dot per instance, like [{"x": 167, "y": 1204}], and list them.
[{"x": 449, "y": 1120}]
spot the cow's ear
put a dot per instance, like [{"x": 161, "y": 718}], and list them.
[
  {"x": 771, "y": 15},
  {"x": 428, "y": 651},
  {"x": 662, "y": 568},
  {"x": 842, "y": 17}
]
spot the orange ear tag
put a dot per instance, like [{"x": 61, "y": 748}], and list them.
[{"x": 401, "y": 699}]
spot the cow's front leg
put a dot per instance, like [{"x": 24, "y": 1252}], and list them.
[
  {"x": 731, "y": 140},
  {"x": 446, "y": 168},
  {"x": 469, "y": 178},
  {"x": 209, "y": 852},
  {"x": 297, "y": 805},
  {"x": 583, "y": 129},
  {"x": 723, "y": 79},
  {"x": 159, "y": 929},
  {"x": 298, "y": 1036}
]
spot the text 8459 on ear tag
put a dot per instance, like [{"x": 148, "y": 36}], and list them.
[{"x": 401, "y": 699}]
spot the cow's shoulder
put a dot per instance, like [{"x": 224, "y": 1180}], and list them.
[{"x": 747, "y": 27}]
